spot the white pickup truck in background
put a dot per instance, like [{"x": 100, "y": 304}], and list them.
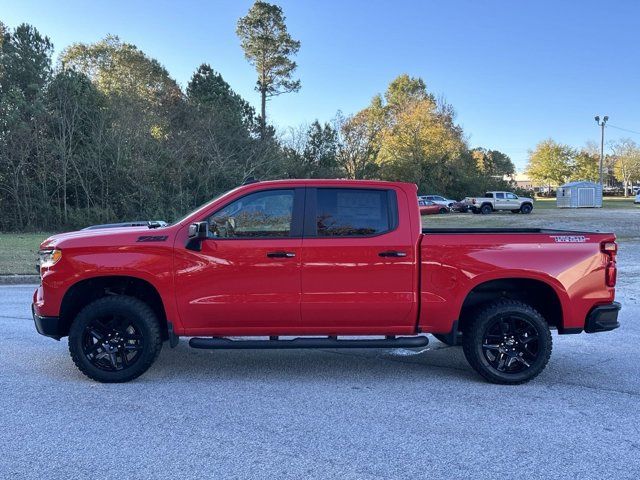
[{"x": 495, "y": 201}]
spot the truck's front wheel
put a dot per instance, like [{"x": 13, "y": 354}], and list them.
[
  {"x": 508, "y": 342},
  {"x": 115, "y": 339},
  {"x": 526, "y": 208}
]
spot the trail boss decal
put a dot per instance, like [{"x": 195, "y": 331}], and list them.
[{"x": 569, "y": 238}]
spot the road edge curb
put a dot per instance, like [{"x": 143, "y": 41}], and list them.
[{"x": 19, "y": 279}]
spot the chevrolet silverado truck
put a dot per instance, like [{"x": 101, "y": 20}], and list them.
[
  {"x": 496, "y": 201},
  {"x": 306, "y": 263}
]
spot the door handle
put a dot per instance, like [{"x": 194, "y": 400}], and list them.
[
  {"x": 392, "y": 253},
  {"x": 281, "y": 254}
]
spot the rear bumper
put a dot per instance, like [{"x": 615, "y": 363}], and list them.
[
  {"x": 48, "y": 326},
  {"x": 603, "y": 318}
]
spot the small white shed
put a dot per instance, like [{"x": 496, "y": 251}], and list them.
[{"x": 581, "y": 194}]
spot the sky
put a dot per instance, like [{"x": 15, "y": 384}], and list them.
[{"x": 516, "y": 72}]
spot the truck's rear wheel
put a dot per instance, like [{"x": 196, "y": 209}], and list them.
[
  {"x": 485, "y": 209},
  {"x": 115, "y": 339},
  {"x": 508, "y": 342}
]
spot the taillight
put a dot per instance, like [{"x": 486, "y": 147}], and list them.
[{"x": 611, "y": 270}]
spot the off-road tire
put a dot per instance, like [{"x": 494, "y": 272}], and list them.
[
  {"x": 526, "y": 208},
  {"x": 486, "y": 209},
  {"x": 475, "y": 334},
  {"x": 443, "y": 210},
  {"x": 139, "y": 314}
]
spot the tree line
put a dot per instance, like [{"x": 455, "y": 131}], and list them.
[
  {"x": 552, "y": 163},
  {"x": 106, "y": 134}
]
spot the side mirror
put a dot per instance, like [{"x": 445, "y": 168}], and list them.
[{"x": 197, "y": 232}]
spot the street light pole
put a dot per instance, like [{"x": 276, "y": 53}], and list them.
[{"x": 601, "y": 125}]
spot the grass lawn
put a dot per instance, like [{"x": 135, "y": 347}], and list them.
[
  {"x": 19, "y": 252},
  {"x": 608, "y": 202}
]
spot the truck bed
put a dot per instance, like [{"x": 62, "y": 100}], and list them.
[
  {"x": 494, "y": 230},
  {"x": 456, "y": 261}
]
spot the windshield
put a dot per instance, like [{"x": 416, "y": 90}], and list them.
[{"x": 201, "y": 206}]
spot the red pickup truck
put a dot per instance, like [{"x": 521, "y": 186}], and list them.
[{"x": 317, "y": 260}]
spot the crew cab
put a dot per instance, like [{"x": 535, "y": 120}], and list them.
[
  {"x": 304, "y": 263},
  {"x": 495, "y": 201}
]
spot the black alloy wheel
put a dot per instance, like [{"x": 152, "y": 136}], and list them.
[
  {"x": 507, "y": 342},
  {"x": 511, "y": 344},
  {"x": 115, "y": 339},
  {"x": 112, "y": 343}
]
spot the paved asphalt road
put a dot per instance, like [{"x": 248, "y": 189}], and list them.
[{"x": 320, "y": 414}]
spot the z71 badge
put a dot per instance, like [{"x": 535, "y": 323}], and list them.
[
  {"x": 152, "y": 238},
  {"x": 569, "y": 238}
]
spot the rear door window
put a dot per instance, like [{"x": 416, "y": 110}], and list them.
[{"x": 351, "y": 212}]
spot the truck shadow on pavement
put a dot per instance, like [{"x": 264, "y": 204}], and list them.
[
  {"x": 437, "y": 363},
  {"x": 304, "y": 365},
  {"x": 310, "y": 364}
]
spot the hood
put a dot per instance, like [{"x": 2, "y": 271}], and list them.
[{"x": 104, "y": 236}]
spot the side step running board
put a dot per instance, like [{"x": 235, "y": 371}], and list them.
[{"x": 330, "y": 342}]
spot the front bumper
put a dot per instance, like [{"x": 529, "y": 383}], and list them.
[
  {"x": 603, "y": 318},
  {"x": 48, "y": 326}
]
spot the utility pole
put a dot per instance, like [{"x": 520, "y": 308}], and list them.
[{"x": 601, "y": 125}]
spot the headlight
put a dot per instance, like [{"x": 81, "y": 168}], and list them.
[{"x": 48, "y": 258}]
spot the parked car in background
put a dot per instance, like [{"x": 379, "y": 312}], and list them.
[
  {"x": 446, "y": 202},
  {"x": 611, "y": 189},
  {"x": 495, "y": 201},
  {"x": 459, "y": 207},
  {"x": 430, "y": 208}
]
